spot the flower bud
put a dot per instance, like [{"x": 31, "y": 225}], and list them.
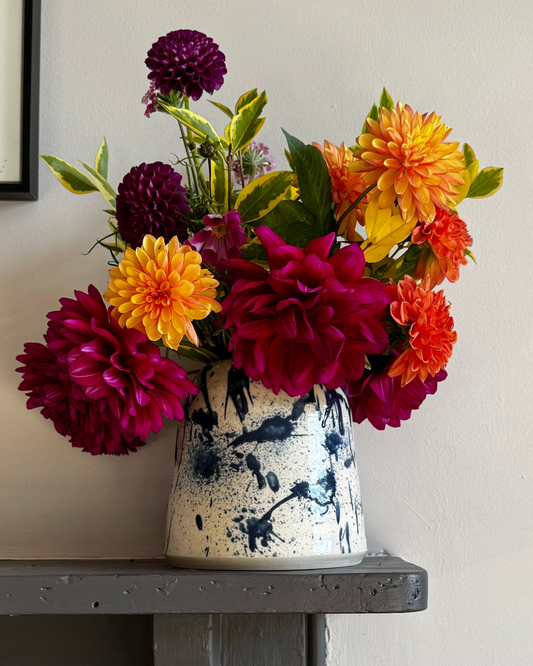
[{"x": 207, "y": 149}]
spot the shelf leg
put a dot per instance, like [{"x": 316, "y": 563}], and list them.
[
  {"x": 266, "y": 639},
  {"x": 316, "y": 639}
]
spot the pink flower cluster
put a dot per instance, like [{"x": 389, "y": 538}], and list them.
[{"x": 103, "y": 386}]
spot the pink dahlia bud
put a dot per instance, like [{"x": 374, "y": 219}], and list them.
[{"x": 187, "y": 61}]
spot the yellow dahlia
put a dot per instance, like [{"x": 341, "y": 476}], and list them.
[
  {"x": 161, "y": 289},
  {"x": 406, "y": 155}
]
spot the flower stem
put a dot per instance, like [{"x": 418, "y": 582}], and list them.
[
  {"x": 197, "y": 166},
  {"x": 187, "y": 166},
  {"x": 241, "y": 164},
  {"x": 229, "y": 161},
  {"x": 354, "y": 205}
]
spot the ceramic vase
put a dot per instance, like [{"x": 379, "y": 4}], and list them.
[{"x": 264, "y": 481}]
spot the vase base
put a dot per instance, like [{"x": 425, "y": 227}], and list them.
[{"x": 266, "y": 563}]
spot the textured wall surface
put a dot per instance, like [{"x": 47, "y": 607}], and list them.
[{"x": 451, "y": 490}]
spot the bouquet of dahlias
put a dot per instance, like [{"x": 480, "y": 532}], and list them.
[{"x": 324, "y": 272}]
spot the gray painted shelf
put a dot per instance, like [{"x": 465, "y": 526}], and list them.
[{"x": 377, "y": 585}]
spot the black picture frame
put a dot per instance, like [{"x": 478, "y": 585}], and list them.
[{"x": 27, "y": 188}]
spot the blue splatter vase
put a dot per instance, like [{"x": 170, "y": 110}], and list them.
[{"x": 264, "y": 481}]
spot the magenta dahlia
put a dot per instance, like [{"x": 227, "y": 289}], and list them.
[
  {"x": 187, "y": 61},
  {"x": 382, "y": 399},
  {"x": 103, "y": 386},
  {"x": 151, "y": 200},
  {"x": 90, "y": 425},
  {"x": 221, "y": 238},
  {"x": 310, "y": 320}
]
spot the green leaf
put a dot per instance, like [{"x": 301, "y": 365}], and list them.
[
  {"x": 223, "y": 108},
  {"x": 246, "y": 124},
  {"x": 254, "y": 251},
  {"x": 101, "y": 162},
  {"x": 293, "y": 222},
  {"x": 408, "y": 262},
  {"x": 468, "y": 253},
  {"x": 473, "y": 169},
  {"x": 488, "y": 181},
  {"x": 385, "y": 101},
  {"x": 262, "y": 195},
  {"x": 200, "y": 354},
  {"x": 245, "y": 99},
  {"x": 219, "y": 183},
  {"x": 313, "y": 182},
  {"x": 196, "y": 123},
  {"x": 374, "y": 114},
  {"x": 289, "y": 158},
  {"x": 469, "y": 154},
  {"x": 112, "y": 246},
  {"x": 70, "y": 177},
  {"x": 103, "y": 186}
]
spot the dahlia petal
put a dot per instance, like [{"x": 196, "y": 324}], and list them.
[
  {"x": 348, "y": 263},
  {"x": 268, "y": 238},
  {"x": 86, "y": 371},
  {"x": 320, "y": 246},
  {"x": 241, "y": 268},
  {"x": 284, "y": 324}
]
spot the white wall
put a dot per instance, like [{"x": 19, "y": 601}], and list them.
[{"x": 451, "y": 490}]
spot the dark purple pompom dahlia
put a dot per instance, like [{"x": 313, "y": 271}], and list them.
[
  {"x": 187, "y": 61},
  {"x": 151, "y": 200}
]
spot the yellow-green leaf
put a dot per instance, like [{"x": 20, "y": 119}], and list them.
[
  {"x": 386, "y": 101},
  {"x": 223, "y": 108},
  {"x": 374, "y": 115},
  {"x": 384, "y": 231},
  {"x": 468, "y": 253},
  {"x": 289, "y": 158},
  {"x": 196, "y": 123},
  {"x": 263, "y": 194},
  {"x": 488, "y": 181},
  {"x": 473, "y": 169},
  {"x": 219, "y": 184},
  {"x": 246, "y": 124},
  {"x": 245, "y": 99},
  {"x": 469, "y": 154},
  {"x": 101, "y": 162},
  {"x": 103, "y": 186},
  {"x": 70, "y": 177},
  {"x": 462, "y": 190}
]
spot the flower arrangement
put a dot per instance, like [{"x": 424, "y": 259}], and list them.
[{"x": 323, "y": 272}]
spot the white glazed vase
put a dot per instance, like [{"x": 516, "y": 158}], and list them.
[{"x": 264, "y": 481}]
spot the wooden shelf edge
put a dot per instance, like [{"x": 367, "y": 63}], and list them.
[{"x": 378, "y": 585}]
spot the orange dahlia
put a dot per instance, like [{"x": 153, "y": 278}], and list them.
[
  {"x": 430, "y": 334},
  {"x": 406, "y": 155},
  {"x": 161, "y": 289},
  {"x": 345, "y": 185},
  {"x": 443, "y": 242}
]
